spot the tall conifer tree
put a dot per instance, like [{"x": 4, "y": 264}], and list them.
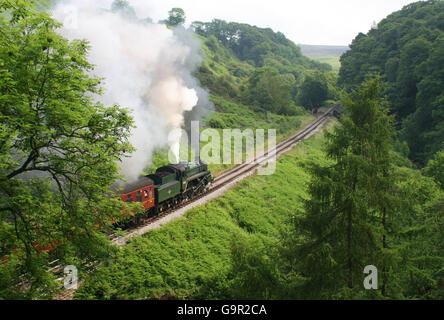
[{"x": 345, "y": 219}]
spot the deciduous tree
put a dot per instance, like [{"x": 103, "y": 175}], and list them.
[
  {"x": 59, "y": 149},
  {"x": 176, "y": 16}
]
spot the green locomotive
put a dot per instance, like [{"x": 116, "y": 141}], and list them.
[{"x": 176, "y": 183}]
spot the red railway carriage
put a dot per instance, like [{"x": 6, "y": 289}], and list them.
[
  {"x": 141, "y": 191},
  {"x": 48, "y": 247}
]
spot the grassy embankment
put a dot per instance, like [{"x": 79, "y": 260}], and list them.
[
  {"x": 190, "y": 257},
  {"x": 231, "y": 115}
]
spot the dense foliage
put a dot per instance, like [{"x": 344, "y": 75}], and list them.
[
  {"x": 314, "y": 90},
  {"x": 435, "y": 168},
  {"x": 364, "y": 210},
  {"x": 407, "y": 49},
  {"x": 176, "y": 17},
  {"x": 350, "y": 199},
  {"x": 271, "y": 91}
]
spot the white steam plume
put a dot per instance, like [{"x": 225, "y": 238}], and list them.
[{"x": 147, "y": 68}]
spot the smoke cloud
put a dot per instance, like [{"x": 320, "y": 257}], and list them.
[{"x": 147, "y": 68}]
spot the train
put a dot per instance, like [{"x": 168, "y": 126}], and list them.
[{"x": 167, "y": 188}]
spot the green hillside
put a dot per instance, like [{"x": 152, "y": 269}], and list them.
[
  {"x": 260, "y": 68},
  {"x": 193, "y": 257}
]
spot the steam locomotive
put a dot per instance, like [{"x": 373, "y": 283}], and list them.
[{"x": 167, "y": 188}]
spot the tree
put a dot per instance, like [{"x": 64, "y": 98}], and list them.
[
  {"x": 313, "y": 91},
  {"x": 343, "y": 227},
  {"x": 418, "y": 237},
  {"x": 59, "y": 150},
  {"x": 124, "y": 8},
  {"x": 271, "y": 91},
  {"x": 176, "y": 17},
  {"x": 424, "y": 129},
  {"x": 435, "y": 168}
]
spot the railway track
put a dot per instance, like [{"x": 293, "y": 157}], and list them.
[
  {"x": 289, "y": 142},
  {"x": 230, "y": 177}
]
